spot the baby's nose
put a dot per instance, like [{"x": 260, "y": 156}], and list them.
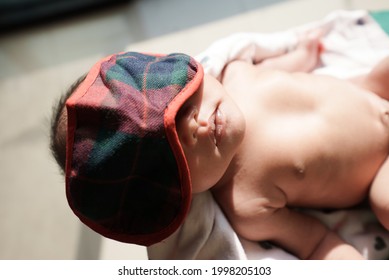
[
  {"x": 202, "y": 129},
  {"x": 196, "y": 128},
  {"x": 190, "y": 127}
]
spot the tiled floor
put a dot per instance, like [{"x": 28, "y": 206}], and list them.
[{"x": 38, "y": 64}]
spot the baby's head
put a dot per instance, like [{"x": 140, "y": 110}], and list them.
[
  {"x": 125, "y": 170},
  {"x": 59, "y": 126},
  {"x": 130, "y": 169}
]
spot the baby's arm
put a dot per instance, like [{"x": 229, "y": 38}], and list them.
[
  {"x": 379, "y": 194},
  {"x": 304, "y": 58},
  {"x": 377, "y": 80},
  {"x": 300, "y": 234}
]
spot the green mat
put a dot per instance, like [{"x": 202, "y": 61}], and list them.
[{"x": 382, "y": 17}]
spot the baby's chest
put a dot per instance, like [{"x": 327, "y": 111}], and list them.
[{"x": 314, "y": 162}]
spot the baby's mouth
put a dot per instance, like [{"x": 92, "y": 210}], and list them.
[{"x": 216, "y": 126}]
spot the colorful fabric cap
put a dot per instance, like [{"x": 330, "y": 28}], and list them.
[{"x": 126, "y": 174}]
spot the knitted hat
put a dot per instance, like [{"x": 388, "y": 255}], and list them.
[{"x": 126, "y": 174}]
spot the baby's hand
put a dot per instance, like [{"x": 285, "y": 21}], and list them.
[
  {"x": 303, "y": 58},
  {"x": 310, "y": 44}
]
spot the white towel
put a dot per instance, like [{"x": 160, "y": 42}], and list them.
[{"x": 353, "y": 43}]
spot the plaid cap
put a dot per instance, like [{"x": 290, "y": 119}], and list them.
[{"x": 126, "y": 174}]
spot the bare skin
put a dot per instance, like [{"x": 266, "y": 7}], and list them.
[{"x": 308, "y": 141}]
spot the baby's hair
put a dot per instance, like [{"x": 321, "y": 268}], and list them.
[{"x": 59, "y": 126}]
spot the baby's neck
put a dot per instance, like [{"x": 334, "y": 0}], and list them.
[{"x": 228, "y": 176}]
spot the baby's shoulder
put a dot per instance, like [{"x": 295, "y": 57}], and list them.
[
  {"x": 240, "y": 70},
  {"x": 236, "y": 69}
]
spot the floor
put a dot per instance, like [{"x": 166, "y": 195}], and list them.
[{"x": 39, "y": 62}]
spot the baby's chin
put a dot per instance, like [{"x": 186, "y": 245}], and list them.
[{"x": 235, "y": 125}]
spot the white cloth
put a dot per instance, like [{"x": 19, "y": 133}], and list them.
[{"x": 353, "y": 43}]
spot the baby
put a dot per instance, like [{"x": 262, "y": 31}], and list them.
[{"x": 144, "y": 132}]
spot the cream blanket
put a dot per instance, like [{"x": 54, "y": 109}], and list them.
[{"x": 353, "y": 43}]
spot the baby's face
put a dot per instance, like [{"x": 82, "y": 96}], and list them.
[{"x": 210, "y": 127}]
